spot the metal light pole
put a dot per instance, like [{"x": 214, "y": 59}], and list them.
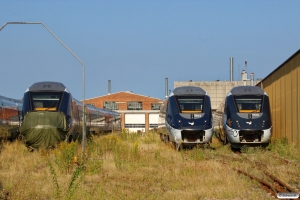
[{"x": 83, "y": 87}]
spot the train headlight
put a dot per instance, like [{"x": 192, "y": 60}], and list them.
[
  {"x": 179, "y": 122},
  {"x": 263, "y": 123}
]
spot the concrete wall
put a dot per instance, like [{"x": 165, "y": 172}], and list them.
[{"x": 217, "y": 90}]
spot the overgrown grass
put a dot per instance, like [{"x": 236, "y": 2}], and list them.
[
  {"x": 64, "y": 156},
  {"x": 284, "y": 149},
  {"x": 137, "y": 166}
]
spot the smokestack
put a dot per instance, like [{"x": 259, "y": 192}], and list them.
[
  {"x": 109, "y": 86},
  {"x": 244, "y": 75},
  {"x": 166, "y": 84},
  {"x": 231, "y": 68},
  {"x": 252, "y": 79}
]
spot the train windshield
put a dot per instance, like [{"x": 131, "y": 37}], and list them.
[
  {"x": 45, "y": 100},
  {"x": 190, "y": 104},
  {"x": 248, "y": 104}
]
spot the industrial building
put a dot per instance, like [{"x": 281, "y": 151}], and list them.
[{"x": 139, "y": 112}]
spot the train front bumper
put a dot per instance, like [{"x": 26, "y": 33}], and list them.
[
  {"x": 190, "y": 137},
  {"x": 248, "y": 137}
]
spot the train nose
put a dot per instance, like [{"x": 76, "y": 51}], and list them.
[{"x": 43, "y": 128}]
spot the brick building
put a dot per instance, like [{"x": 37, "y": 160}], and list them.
[{"x": 138, "y": 112}]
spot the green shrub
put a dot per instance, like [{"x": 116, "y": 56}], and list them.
[
  {"x": 76, "y": 179},
  {"x": 64, "y": 156}
]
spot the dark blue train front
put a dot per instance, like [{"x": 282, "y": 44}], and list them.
[
  {"x": 188, "y": 116},
  {"x": 51, "y": 115},
  {"x": 247, "y": 117}
]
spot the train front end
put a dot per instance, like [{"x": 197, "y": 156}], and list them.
[
  {"x": 46, "y": 114},
  {"x": 189, "y": 117},
  {"x": 247, "y": 118}
]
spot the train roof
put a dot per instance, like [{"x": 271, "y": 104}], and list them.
[
  {"x": 103, "y": 110},
  {"x": 244, "y": 90},
  {"x": 188, "y": 90},
  {"x": 11, "y": 99},
  {"x": 48, "y": 86}
]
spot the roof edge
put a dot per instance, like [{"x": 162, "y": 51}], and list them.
[
  {"x": 290, "y": 58},
  {"x": 124, "y": 92}
]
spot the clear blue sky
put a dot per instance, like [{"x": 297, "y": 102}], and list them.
[{"x": 137, "y": 44}]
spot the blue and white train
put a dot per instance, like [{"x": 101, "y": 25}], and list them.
[
  {"x": 247, "y": 117},
  {"x": 51, "y": 115},
  {"x": 188, "y": 117}
]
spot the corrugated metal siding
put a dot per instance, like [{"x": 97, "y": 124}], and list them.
[
  {"x": 294, "y": 101},
  {"x": 287, "y": 101},
  {"x": 281, "y": 98},
  {"x": 283, "y": 88},
  {"x": 298, "y": 99}
]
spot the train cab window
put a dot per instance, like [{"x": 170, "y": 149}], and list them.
[
  {"x": 45, "y": 100},
  {"x": 246, "y": 104},
  {"x": 190, "y": 104}
]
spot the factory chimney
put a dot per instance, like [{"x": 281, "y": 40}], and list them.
[
  {"x": 252, "y": 79},
  {"x": 166, "y": 85},
  {"x": 109, "y": 83},
  {"x": 244, "y": 75},
  {"x": 231, "y": 68}
]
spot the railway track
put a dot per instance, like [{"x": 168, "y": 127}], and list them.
[
  {"x": 271, "y": 184},
  {"x": 274, "y": 186}
]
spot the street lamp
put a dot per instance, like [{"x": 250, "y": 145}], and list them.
[{"x": 83, "y": 87}]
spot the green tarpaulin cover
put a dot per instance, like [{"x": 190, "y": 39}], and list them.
[{"x": 44, "y": 128}]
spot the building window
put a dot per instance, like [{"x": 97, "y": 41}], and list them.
[
  {"x": 153, "y": 125},
  {"x": 134, "y": 105},
  {"x": 134, "y": 125},
  {"x": 111, "y": 105},
  {"x": 155, "y": 106}
]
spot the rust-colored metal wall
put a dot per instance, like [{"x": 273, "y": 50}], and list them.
[{"x": 283, "y": 89}]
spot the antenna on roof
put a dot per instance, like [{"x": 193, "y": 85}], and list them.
[
  {"x": 109, "y": 86},
  {"x": 166, "y": 85},
  {"x": 246, "y": 68}
]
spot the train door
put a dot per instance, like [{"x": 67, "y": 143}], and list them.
[
  {"x": 75, "y": 125},
  {"x": 88, "y": 114},
  {"x": 108, "y": 126},
  {"x": 222, "y": 133}
]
